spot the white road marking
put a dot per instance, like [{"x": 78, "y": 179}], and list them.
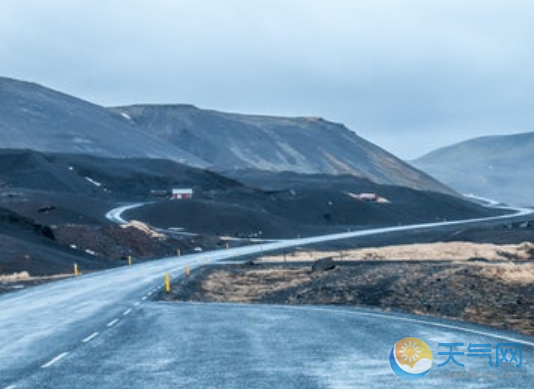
[
  {"x": 10, "y": 387},
  {"x": 144, "y": 298},
  {"x": 112, "y": 323},
  {"x": 90, "y": 337},
  {"x": 55, "y": 360},
  {"x": 127, "y": 312},
  {"x": 137, "y": 303},
  {"x": 409, "y": 320}
]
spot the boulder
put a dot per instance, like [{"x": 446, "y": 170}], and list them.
[{"x": 323, "y": 264}]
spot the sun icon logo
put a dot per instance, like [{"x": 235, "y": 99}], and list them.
[
  {"x": 410, "y": 351},
  {"x": 410, "y": 358}
]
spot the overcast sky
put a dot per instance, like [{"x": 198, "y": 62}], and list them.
[{"x": 409, "y": 75}]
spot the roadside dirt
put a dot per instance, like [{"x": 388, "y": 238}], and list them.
[
  {"x": 496, "y": 292},
  {"x": 22, "y": 280}
]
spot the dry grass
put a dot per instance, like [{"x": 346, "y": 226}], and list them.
[
  {"x": 15, "y": 277},
  {"x": 510, "y": 273},
  {"x": 143, "y": 227},
  {"x": 441, "y": 251},
  {"x": 25, "y": 277},
  {"x": 251, "y": 285}
]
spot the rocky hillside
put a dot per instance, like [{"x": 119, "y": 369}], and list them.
[
  {"x": 228, "y": 141},
  {"x": 37, "y": 118},
  {"x": 497, "y": 167}
]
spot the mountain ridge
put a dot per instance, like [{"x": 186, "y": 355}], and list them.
[
  {"x": 38, "y": 118},
  {"x": 497, "y": 166},
  {"x": 306, "y": 145}
]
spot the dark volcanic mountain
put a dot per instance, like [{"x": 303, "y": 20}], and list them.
[
  {"x": 38, "y": 118},
  {"x": 498, "y": 167},
  {"x": 303, "y": 145}
]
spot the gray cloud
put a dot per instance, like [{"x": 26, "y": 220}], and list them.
[{"x": 410, "y": 75}]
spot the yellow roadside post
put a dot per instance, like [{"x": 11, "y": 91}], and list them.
[
  {"x": 227, "y": 245},
  {"x": 167, "y": 283},
  {"x": 76, "y": 272},
  {"x": 129, "y": 260},
  {"x": 178, "y": 252},
  {"x": 187, "y": 271}
]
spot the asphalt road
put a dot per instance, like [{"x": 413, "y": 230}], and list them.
[
  {"x": 52, "y": 334},
  {"x": 171, "y": 345},
  {"x": 115, "y": 215}
]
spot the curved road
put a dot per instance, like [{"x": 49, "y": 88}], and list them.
[
  {"x": 168, "y": 345},
  {"x": 101, "y": 330},
  {"x": 115, "y": 215}
]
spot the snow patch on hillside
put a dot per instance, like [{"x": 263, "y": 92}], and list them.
[{"x": 95, "y": 183}]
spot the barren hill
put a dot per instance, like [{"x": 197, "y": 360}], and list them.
[
  {"x": 37, "y": 118},
  {"x": 306, "y": 145}
]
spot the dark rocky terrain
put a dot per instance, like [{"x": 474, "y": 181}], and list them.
[
  {"x": 288, "y": 205},
  {"x": 498, "y": 167},
  {"x": 68, "y": 195},
  {"x": 53, "y": 209},
  {"x": 26, "y": 245}
]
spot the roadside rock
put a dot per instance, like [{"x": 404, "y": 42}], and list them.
[{"x": 324, "y": 264}]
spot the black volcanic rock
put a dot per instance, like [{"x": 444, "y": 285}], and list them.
[
  {"x": 323, "y": 264},
  {"x": 37, "y": 118},
  {"x": 302, "y": 145},
  {"x": 112, "y": 178},
  {"x": 497, "y": 167}
]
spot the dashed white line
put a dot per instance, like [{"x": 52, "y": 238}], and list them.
[
  {"x": 90, "y": 337},
  {"x": 127, "y": 312},
  {"x": 55, "y": 360},
  {"x": 112, "y": 323},
  {"x": 144, "y": 298},
  {"x": 11, "y": 387},
  {"x": 137, "y": 303}
]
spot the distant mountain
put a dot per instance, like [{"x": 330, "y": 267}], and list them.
[
  {"x": 498, "y": 167},
  {"x": 38, "y": 118},
  {"x": 304, "y": 145}
]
